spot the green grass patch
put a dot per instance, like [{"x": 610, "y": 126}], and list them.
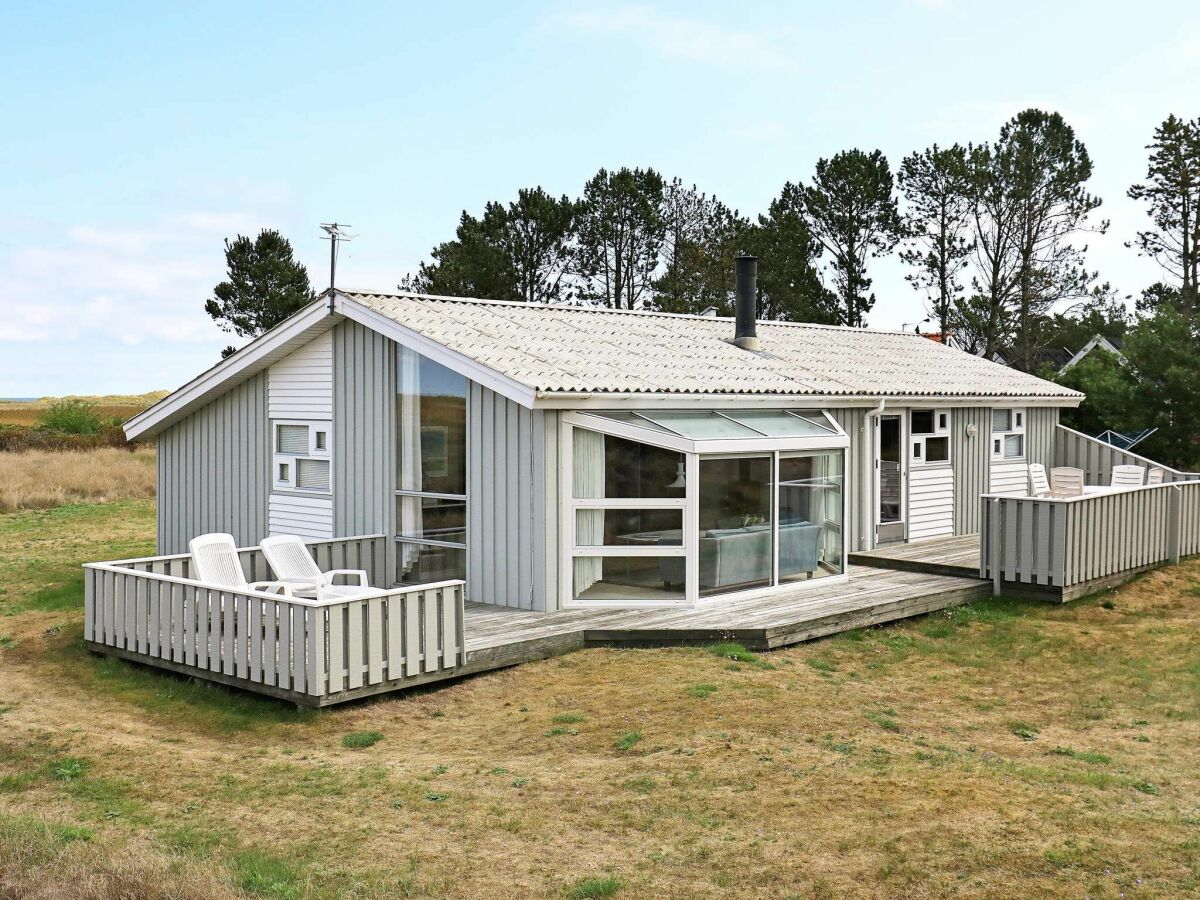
[
  {"x": 628, "y": 740},
  {"x": 7, "y": 642},
  {"x": 885, "y": 722},
  {"x": 590, "y": 888},
  {"x": 360, "y": 740},
  {"x": 560, "y": 731},
  {"x": 568, "y": 719},
  {"x": 1146, "y": 787},
  {"x": 59, "y": 596},
  {"x": 642, "y": 784},
  {"x": 702, "y": 690},
  {"x": 264, "y": 875},
  {"x": 736, "y": 652},
  {"x": 1098, "y": 759}
]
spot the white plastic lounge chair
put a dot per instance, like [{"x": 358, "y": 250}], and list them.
[
  {"x": 1066, "y": 481},
  {"x": 1155, "y": 475},
  {"x": 1039, "y": 485},
  {"x": 215, "y": 562},
  {"x": 293, "y": 564},
  {"x": 1128, "y": 476}
]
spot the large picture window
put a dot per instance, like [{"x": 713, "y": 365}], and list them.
[{"x": 431, "y": 501}]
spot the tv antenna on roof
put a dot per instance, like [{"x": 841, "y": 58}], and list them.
[{"x": 335, "y": 235}]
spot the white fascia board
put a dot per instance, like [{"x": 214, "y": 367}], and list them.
[
  {"x": 598, "y": 400},
  {"x": 246, "y": 362},
  {"x": 485, "y": 375}
]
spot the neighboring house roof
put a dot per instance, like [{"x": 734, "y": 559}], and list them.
[
  {"x": 1055, "y": 357},
  {"x": 554, "y": 355},
  {"x": 1111, "y": 345}
]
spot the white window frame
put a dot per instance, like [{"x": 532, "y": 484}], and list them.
[
  {"x": 916, "y": 440},
  {"x": 1017, "y": 419},
  {"x": 693, "y": 452},
  {"x": 291, "y": 459}
]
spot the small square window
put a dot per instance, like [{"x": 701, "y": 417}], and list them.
[
  {"x": 1001, "y": 420},
  {"x": 922, "y": 421},
  {"x": 943, "y": 421},
  {"x": 284, "y": 472},
  {"x": 937, "y": 449},
  {"x": 917, "y": 450},
  {"x": 320, "y": 441},
  {"x": 1020, "y": 423}
]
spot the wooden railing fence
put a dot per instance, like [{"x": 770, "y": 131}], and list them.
[
  {"x": 1068, "y": 543},
  {"x": 307, "y": 650},
  {"x": 1096, "y": 458}
]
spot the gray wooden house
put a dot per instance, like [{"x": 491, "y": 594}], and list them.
[{"x": 561, "y": 457}]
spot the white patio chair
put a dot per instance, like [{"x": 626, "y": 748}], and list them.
[
  {"x": 215, "y": 562},
  {"x": 1128, "y": 476},
  {"x": 1066, "y": 481},
  {"x": 1039, "y": 485},
  {"x": 1155, "y": 475},
  {"x": 293, "y": 564}
]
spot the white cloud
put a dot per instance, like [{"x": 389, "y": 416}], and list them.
[
  {"x": 692, "y": 39},
  {"x": 90, "y": 283}
]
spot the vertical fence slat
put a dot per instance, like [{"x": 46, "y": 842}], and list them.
[
  {"x": 256, "y": 640},
  {"x": 315, "y": 625},
  {"x": 374, "y": 640},
  {"x": 449, "y": 635},
  {"x": 283, "y": 658},
  {"x": 395, "y": 639},
  {"x": 337, "y": 640},
  {"x": 299, "y": 645},
  {"x": 270, "y": 641},
  {"x": 412, "y": 633},
  {"x": 354, "y": 644},
  {"x": 429, "y": 627}
]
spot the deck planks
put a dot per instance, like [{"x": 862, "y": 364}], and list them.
[{"x": 957, "y": 555}]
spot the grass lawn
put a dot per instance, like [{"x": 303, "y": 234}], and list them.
[{"x": 999, "y": 750}]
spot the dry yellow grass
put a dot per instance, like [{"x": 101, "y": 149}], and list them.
[
  {"x": 1001, "y": 750},
  {"x": 37, "y": 479},
  {"x": 109, "y": 406}
]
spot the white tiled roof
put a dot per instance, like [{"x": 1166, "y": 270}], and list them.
[{"x": 561, "y": 349}]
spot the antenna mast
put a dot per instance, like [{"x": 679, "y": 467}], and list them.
[{"x": 335, "y": 236}]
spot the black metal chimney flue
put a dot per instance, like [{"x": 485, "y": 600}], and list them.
[{"x": 745, "y": 268}]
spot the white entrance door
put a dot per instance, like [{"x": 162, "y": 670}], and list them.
[{"x": 891, "y": 470}]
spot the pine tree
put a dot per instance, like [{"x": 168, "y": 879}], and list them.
[
  {"x": 265, "y": 285},
  {"x": 852, "y": 210},
  {"x": 621, "y": 233}
]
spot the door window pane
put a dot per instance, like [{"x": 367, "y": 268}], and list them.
[
  {"x": 646, "y": 578},
  {"x": 736, "y": 539},
  {"x": 611, "y": 467},
  {"x": 810, "y": 515},
  {"x": 890, "y": 488},
  {"x": 423, "y": 563},
  {"x": 629, "y": 527},
  {"x": 433, "y": 518},
  {"x": 431, "y": 425}
]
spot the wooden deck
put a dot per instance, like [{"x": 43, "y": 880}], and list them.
[
  {"x": 496, "y": 636},
  {"x": 957, "y": 555}
]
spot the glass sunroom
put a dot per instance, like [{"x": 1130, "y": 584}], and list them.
[{"x": 685, "y": 507}]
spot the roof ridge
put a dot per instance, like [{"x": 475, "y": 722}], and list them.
[{"x": 569, "y": 307}]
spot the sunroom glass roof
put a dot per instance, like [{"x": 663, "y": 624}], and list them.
[{"x": 709, "y": 424}]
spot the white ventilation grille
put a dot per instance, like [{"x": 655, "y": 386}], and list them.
[{"x": 312, "y": 474}]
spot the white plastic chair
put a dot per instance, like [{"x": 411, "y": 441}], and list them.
[
  {"x": 1155, "y": 475},
  {"x": 293, "y": 564},
  {"x": 1039, "y": 485},
  {"x": 1066, "y": 481},
  {"x": 1128, "y": 476},
  {"x": 215, "y": 562}
]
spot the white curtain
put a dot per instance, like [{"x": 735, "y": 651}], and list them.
[
  {"x": 588, "y": 449},
  {"x": 410, "y": 452}
]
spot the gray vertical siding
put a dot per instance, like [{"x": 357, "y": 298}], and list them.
[
  {"x": 1041, "y": 423},
  {"x": 970, "y": 458},
  {"x": 512, "y": 502},
  {"x": 852, "y": 421},
  {"x": 364, "y": 441},
  {"x": 213, "y": 470}
]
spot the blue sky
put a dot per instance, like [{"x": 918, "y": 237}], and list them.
[{"x": 139, "y": 135}]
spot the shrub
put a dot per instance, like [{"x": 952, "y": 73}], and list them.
[
  {"x": 15, "y": 439},
  {"x": 72, "y": 417}
]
